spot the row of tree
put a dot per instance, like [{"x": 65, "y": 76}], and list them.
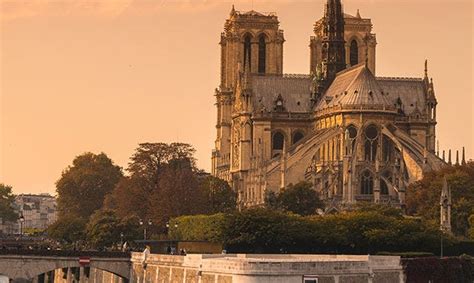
[
  {"x": 368, "y": 229},
  {"x": 97, "y": 202}
]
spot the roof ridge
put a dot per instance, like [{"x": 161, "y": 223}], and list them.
[{"x": 399, "y": 78}]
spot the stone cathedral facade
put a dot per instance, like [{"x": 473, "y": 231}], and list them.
[{"x": 354, "y": 136}]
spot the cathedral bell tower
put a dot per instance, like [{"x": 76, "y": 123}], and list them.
[{"x": 253, "y": 42}]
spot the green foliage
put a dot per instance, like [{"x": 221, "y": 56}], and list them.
[
  {"x": 83, "y": 186},
  {"x": 300, "y": 199},
  {"x": 104, "y": 229},
  {"x": 261, "y": 230},
  {"x": 423, "y": 197},
  {"x": 7, "y": 213},
  {"x": 197, "y": 228},
  {"x": 68, "y": 229},
  {"x": 433, "y": 269}
]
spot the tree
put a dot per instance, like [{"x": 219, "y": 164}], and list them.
[
  {"x": 219, "y": 196},
  {"x": 68, "y": 229},
  {"x": 300, "y": 199},
  {"x": 105, "y": 229},
  {"x": 422, "y": 197},
  {"x": 83, "y": 186},
  {"x": 7, "y": 212}
]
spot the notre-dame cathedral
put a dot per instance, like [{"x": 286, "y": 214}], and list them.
[{"x": 354, "y": 136}]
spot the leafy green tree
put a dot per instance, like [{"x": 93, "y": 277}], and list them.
[
  {"x": 68, "y": 229},
  {"x": 104, "y": 229},
  {"x": 7, "y": 212},
  {"x": 422, "y": 197},
  {"x": 300, "y": 199},
  {"x": 84, "y": 185}
]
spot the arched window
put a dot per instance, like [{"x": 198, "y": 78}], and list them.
[
  {"x": 354, "y": 53},
  {"x": 366, "y": 183},
  {"x": 248, "y": 51},
  {"x": 277, "y": 141},
  {"x": 351, "y": 132},
  {"x": 370, "y": 145},
  {"x": 297, "y": 137},
  {"x": 387, "y": 148},
  {"x": 383, "y": 187},
  {"x": 262, "y": 54}
]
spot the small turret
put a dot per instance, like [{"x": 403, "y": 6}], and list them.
[
  {"x": 445, "y": 207},
  {"x": 449, "y": 158}
]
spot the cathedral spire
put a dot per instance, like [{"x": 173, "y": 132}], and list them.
[
  {"x": 463, "y": 161},
  {"x": 333, "y": 53}
]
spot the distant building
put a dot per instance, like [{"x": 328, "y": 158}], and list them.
[{"x": 39, "y": 211}]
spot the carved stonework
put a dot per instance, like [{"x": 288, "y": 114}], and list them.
[{"x": 236, "y": 148}]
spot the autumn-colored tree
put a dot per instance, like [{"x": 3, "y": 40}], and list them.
[
  {"x": 218, "y": 195},
  {"x": 423, "y": 197},
  {"x": 7, "y": 213},
  {"x": 84, "y": 185}
]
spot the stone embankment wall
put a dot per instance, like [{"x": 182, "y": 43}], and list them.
[{"x": 243, "y": 268}]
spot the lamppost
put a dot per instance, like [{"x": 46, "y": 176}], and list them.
[
  {"x": 22, "y": 220},
  {"x": 149, "y": 223}
]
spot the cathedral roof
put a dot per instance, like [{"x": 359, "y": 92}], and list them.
[
  {"x": 410, "y": 91},
  {"x": 357, "y": 87},
  {"x": 294, "y": 90}
]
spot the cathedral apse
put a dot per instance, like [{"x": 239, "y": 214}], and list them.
[{"x": 354, "y": 136}]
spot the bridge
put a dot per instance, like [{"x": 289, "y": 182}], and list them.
[{"x": 29, "y": 265}]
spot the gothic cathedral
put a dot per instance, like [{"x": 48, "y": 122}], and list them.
[{"x": 354, "y": 136}]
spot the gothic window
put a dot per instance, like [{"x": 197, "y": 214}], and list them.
[
  {"x": 297, "y": 137},
  {"x": 248, "y": 51},
  {"x": 383, "y": 187},
  {"x": 352, "y": 134},
  {"x": 366, "y": 183},
  {"x": 387, "y": 148},
  {"x": 370, "y": 145},
  {"x": 277, "y": 141},
  {"x": 354, "y": 53},
  {"x": 262, "y": 54}
]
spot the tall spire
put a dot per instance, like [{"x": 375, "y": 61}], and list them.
[
  {"x": 463, "y": 161},
  {"x": 449, "y": 158},
  {"x": 457, "y": 157},
  {"x": 333, "y": 53}
]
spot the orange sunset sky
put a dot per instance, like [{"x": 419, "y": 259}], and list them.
[{"x": 105, "y": 75}]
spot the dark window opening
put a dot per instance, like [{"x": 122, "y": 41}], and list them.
[
  {"x": 297, "y": 137},
  {"x": 354, "y": 53},
  {"x": 248, "y": 51},
  {"x": 367, "y": 183},
  {"x": 278, "y": 141},
  {"x": 262, "y": 54},
  {"x": 383, "y": 187}
]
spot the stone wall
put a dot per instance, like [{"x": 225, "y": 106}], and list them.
[{"x": 265, "y": 268}]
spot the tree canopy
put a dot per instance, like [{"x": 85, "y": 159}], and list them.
[
  {"x": 83, "y": 186},
  {"x": 299, "y": 198},
  {"x": 423, "y": 197},
  {"x": 7, "y": 212}
]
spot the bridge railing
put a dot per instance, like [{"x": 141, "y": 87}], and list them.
[{"x": 65, "y": 253}]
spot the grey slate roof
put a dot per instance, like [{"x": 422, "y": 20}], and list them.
[
  {"x": 355, "y": 86},
  {"x": 410, "y": 91},
  {"x": 294, "y": 89}
]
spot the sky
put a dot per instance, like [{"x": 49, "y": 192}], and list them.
[{"x": 105, "y": 75}]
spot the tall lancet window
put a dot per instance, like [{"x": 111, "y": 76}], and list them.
[
  {"x": 354, "y": 53},
  {"x": 262, "y": 54},
  {"x": 248, "y": 51}
]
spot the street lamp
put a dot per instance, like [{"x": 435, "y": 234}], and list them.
[
  {"x": 145, "y": 226},
  {"x": 22, "y": 220}
]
